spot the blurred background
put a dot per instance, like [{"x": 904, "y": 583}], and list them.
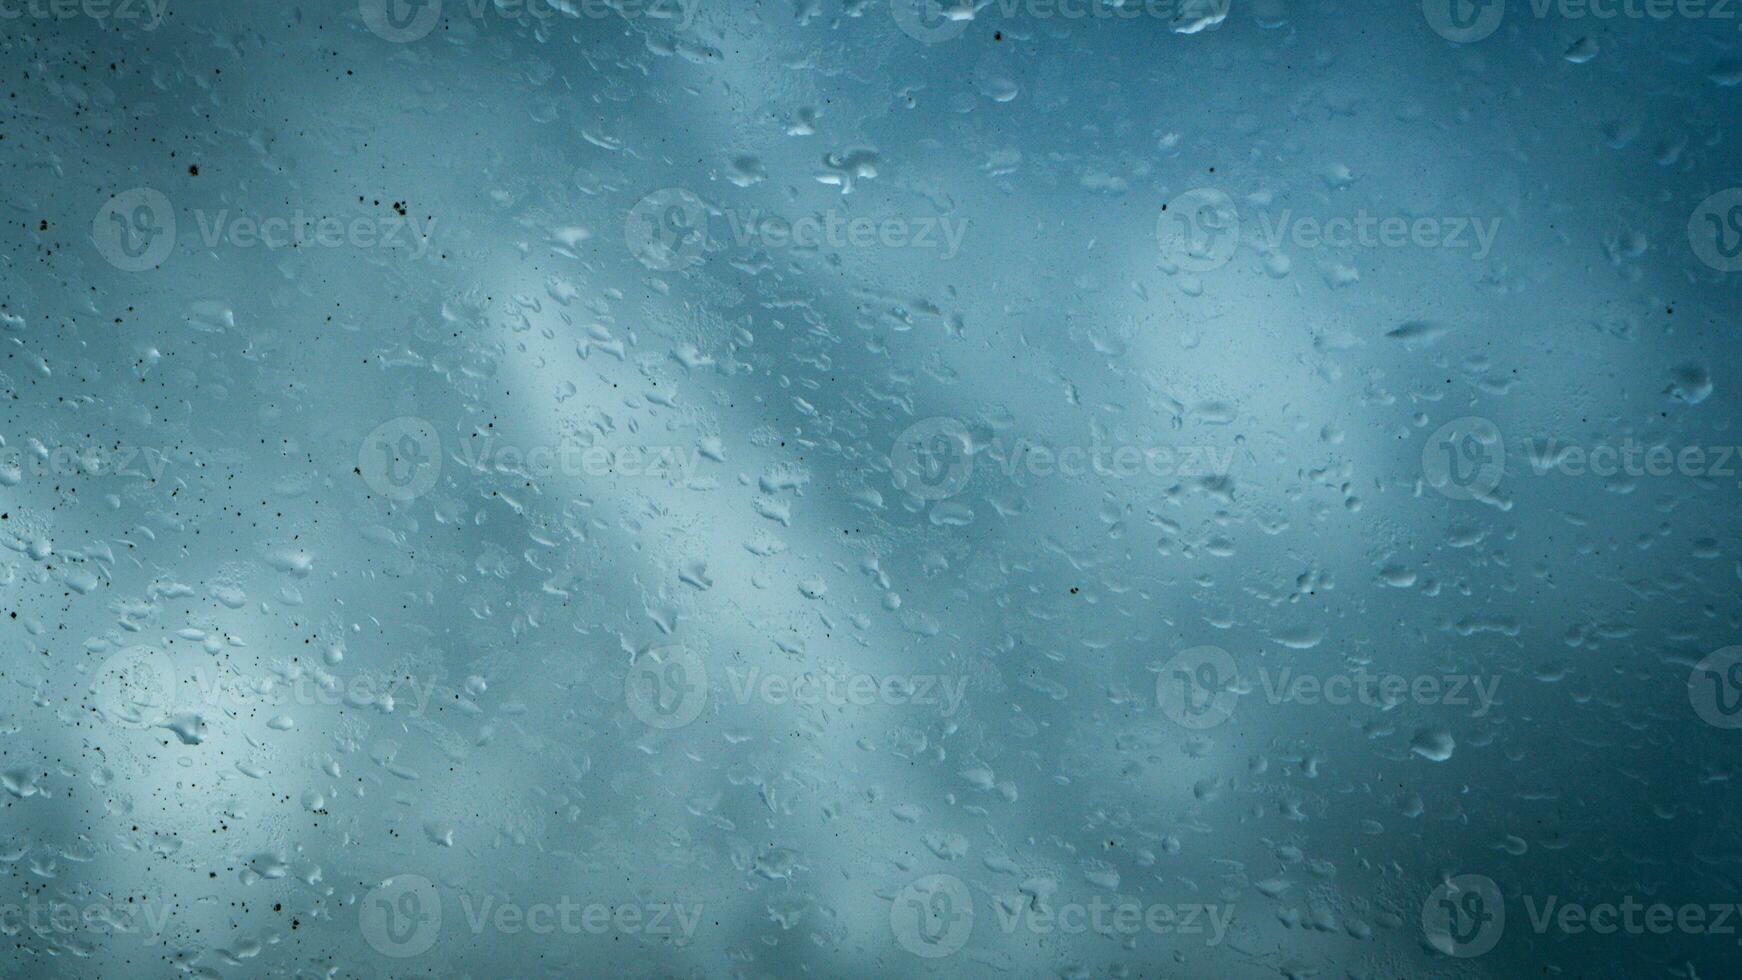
[{"x": 1173, "y": 488}]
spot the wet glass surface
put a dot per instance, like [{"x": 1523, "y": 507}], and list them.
[{"x": 854, "y": 488}]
